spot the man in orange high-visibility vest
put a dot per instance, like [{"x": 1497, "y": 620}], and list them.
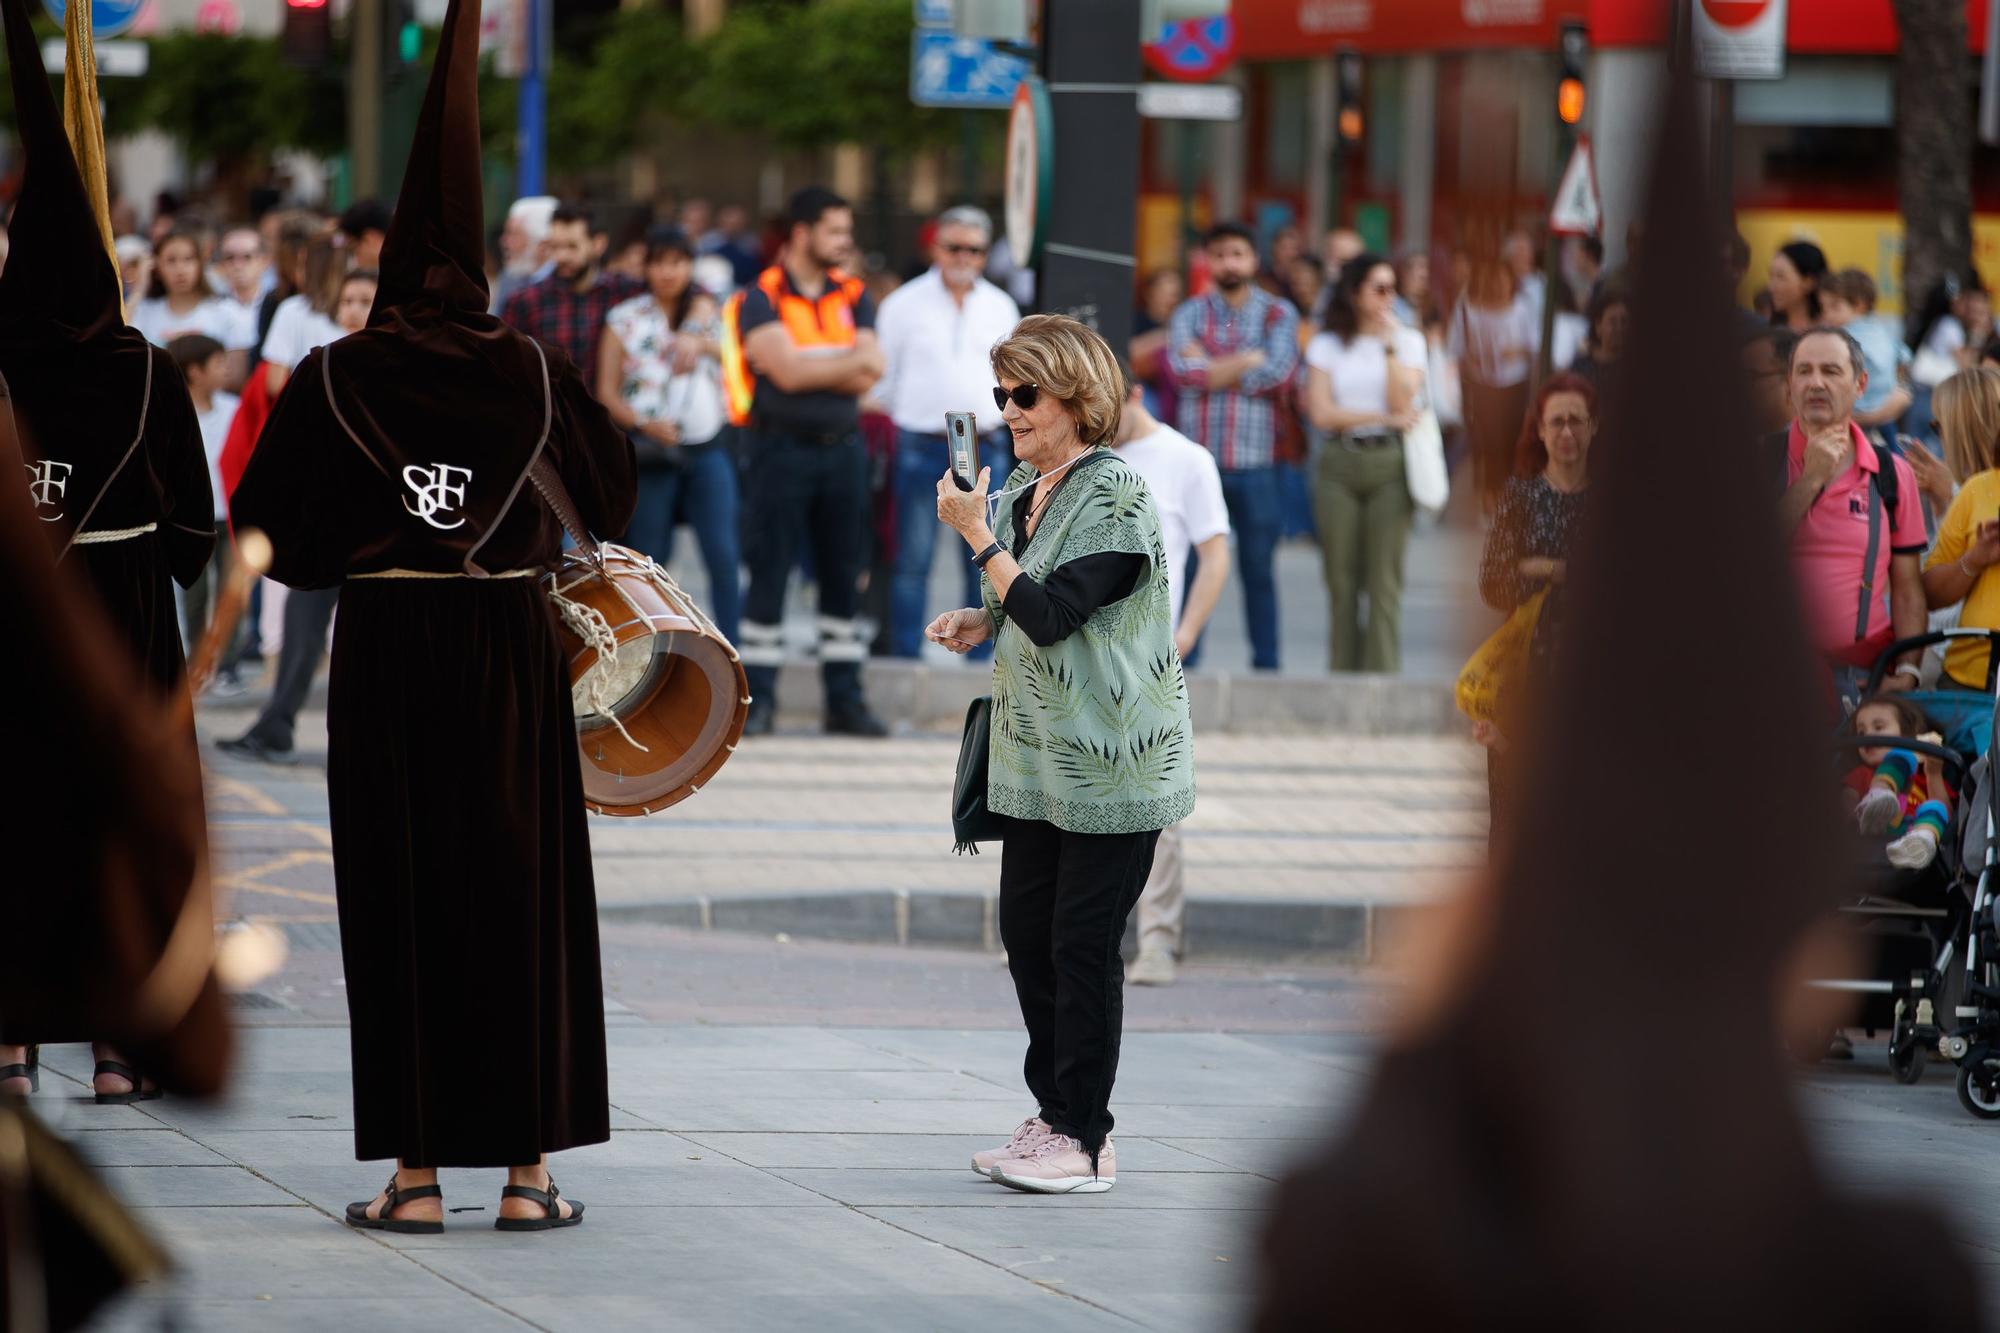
[{"x": 798, "y": 352}]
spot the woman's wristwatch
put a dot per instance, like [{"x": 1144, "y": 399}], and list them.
[
  {"x": 1915, "y": 673},
  {"x": 992, "y": 549}
]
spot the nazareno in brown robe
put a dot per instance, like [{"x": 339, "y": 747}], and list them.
[
  {"x": 82, "y": 914},
  {"x": 468, "y": 915}
]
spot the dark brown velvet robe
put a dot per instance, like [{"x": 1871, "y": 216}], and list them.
[{"x": 461, "y": 858}]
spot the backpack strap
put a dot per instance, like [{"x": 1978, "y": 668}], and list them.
[
  {"x": 1867, "y": 596},
  {"x": 1888, "y": 484}
]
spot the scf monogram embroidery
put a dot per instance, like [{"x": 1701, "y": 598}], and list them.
[
  {"x": 439, "y": 490},
  {"x": 48, "y": 481}
]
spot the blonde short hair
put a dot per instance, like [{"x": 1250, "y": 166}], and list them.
[
  {"x": 1070, "y": 361},
  {"x": 1967, "y": 408}
]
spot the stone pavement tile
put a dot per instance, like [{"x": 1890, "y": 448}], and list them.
[
  {"x": 683, "y": 1302},
  {"x": 715, "y": 1110},
  {"x": 1269, "y": 1158},
  {"x": 913, "y": 1152},
  {"x": 1167, "y": 1268},
  {"x": 143, "y": 1147},
  {"x": 710, "y": 1050},
  {"x": 631, "y": 1087},
  {"x": 256, "y": 1100},
  {"x": 222, "y": 1186},
  {"x": 244, "y": 1253},
  {"x": 647, "y": 1167},
  {"x": 324, "y": 1312},
  {"x": 1136, "y": 1189}
]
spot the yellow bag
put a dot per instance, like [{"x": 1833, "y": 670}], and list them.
[{"x": 1495, "y": 664}]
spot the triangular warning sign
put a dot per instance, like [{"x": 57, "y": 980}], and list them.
[{"x": 1578, "y": 210}]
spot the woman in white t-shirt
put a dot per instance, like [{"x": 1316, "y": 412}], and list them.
[
  {"x": 178, "y": 301},
  {"x": 1364, "y": 389},
  {"x": 1493, "y": 335},
  {"x": 305, "y": 320},
  {"x": 659, "y": 375}
]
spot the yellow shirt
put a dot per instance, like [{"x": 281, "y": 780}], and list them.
[{"x": 1978, "y": 501}]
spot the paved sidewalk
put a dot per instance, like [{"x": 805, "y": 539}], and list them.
[
  {"x": 757, "y": 1178},
  {"x": 781, "y": 1178}
]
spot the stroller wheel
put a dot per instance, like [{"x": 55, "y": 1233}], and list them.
[
  {"x": 1979, "y": 1083},
  {"x": 1906, "y": 1059}
]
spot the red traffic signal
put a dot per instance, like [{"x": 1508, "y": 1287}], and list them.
[{"x": 307, "y": 40}]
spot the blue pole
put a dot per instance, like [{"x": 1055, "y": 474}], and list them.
[{"x": 531, "y": 127}]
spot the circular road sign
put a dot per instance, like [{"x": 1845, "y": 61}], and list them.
[
  {"x": 1734, "y": 13},
  {"x": 1030, "y": 170},
  {"x": 108, "y": 18},
  {"x": 1195, "y": 49}
]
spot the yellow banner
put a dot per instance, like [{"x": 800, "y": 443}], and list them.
[{"x": 1871, "y": 242}]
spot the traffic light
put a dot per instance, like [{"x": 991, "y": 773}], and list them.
[
  {"x": 1352, "y": 121},
  {"x": 1570, "y": 91},
  {"x": 308, "y": 33},
  {"x": 402, "y": 34}
]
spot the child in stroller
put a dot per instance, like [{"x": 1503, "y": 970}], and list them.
[{"x": 1896, "y": 794}]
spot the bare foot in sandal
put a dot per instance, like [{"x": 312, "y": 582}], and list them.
[
  {"x": 531, "y": 1202},
  {"x": 411, "y": 1203},
  {"x": 115, "y": 1081},
  {"x": 21, "y": 1078}
]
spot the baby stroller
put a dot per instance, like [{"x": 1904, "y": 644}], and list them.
[{"x": 1916, "y": 922}]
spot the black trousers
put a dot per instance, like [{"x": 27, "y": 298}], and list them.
[
  {"x": 1064, "y": 898},
  {"x": 307, "y": 614},
  {"x": 811, "y": 490}
]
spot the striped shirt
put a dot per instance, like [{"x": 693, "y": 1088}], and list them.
[{"x": 1238, "y": 424}]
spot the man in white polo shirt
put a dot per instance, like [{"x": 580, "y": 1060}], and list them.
[
  {"x": 1187, "y": 495},
  {"x": 935, "y": 333}
]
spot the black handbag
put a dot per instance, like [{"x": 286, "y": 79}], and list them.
[{"x": 971, "y": 822}]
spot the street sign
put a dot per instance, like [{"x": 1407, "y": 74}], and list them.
[
  {"x": 1579, "y": 209},
  {"x": 1194, "y": 51},
  {"x": 108, "y": 18},
  {"x": 1190, "y": 101},
  {"x": 1031, "y": 169},
  {"x": 218, "y": 16},
  {"x": 960, "y": 72},
  {"x": 116, "y": 60},
  {"x": 1739, "y": 39}
]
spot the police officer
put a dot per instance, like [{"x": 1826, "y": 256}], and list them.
[{"x": 799, "y": 351}]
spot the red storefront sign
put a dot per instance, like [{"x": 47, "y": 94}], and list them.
[
  {"x": 1814, "y": 27},
  {"x": 1289, "y": 29},
  {"x": 1293, "y": 29}
]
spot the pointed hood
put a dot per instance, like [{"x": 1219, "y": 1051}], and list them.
[
  {"x": 434, "y": 256},
  {"x": 63, "y": 282}
]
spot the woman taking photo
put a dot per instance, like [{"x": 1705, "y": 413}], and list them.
[
  {"x": 1796, "y": 273},
  {"x": 1960, "y": 565},
  {"x": 1536, "y": 524},
  {"x": 1091, "y": 752},
  {"x": 1364, "y": 387},
  {"x": 659, "y": 374}
]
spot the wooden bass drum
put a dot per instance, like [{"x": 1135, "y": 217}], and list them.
[{"x": 660, "y": 695}]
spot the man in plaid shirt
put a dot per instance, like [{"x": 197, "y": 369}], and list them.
[
  {"x": 1233, "y": 351},
  {"x": 567, "y": 308}
]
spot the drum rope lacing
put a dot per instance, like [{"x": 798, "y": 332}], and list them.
[
  {"x": 442, "y": 574},
  {"x": 589, "y": 624},
  {"x": 112, "y": 535}
]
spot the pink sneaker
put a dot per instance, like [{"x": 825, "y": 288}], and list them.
[
  {"x": 1059, "y": 1165},
  {"x": 1032, "y": 1131}
]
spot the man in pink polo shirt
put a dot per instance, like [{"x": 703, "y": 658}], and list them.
[{"x": 1858, "y": 556}]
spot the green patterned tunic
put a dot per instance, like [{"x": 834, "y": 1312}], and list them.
[{"x": 1092, "y": 733}]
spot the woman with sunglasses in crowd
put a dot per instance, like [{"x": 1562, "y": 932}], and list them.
[
  {"x": 1959, "y": 567},
  {"x": 1364, "y": 390}
]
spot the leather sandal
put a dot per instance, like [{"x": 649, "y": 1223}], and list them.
[
  {"x": 139, "y": 1093},
  {"x": 31, "y": 1071},
  {"x": 357, "y": 1213},
  {"x": 547, "y": 1199}
]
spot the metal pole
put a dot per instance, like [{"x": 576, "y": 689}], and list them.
[
  {"x": 1187, "y": 129},
  {"x": 364, "y": 101},
  {"x": 1552, "y": 266},
  {"x": 531, "y": 125}
]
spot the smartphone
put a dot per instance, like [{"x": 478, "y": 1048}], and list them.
[{"x": 962, "y": 431}]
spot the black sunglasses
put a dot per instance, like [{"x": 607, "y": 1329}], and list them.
[
  {"x": 1024, "y": 396},
  {"x": 964, "y": 249}
]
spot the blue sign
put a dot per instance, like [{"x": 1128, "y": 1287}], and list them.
[
  {"x": 933, "y": 13},
  {"x": 961, "y": 72},
  {"x": 108, "y": 18}
]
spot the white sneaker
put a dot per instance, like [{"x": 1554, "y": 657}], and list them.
[
  {"x": 1153, "y": 967},
  {"x": 1876, "y": 813},
  {"x": 1059, "y": 1165},
  {"x": 1914, "y": 850},
  {"x": 1026, "y": 1139}
]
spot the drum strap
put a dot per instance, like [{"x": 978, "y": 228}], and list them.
[{"x": 145, "y": 406}]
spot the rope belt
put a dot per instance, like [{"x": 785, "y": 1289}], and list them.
[
  {"x": 112, "y": 535},
  {"x": 439, "y": 574}
]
